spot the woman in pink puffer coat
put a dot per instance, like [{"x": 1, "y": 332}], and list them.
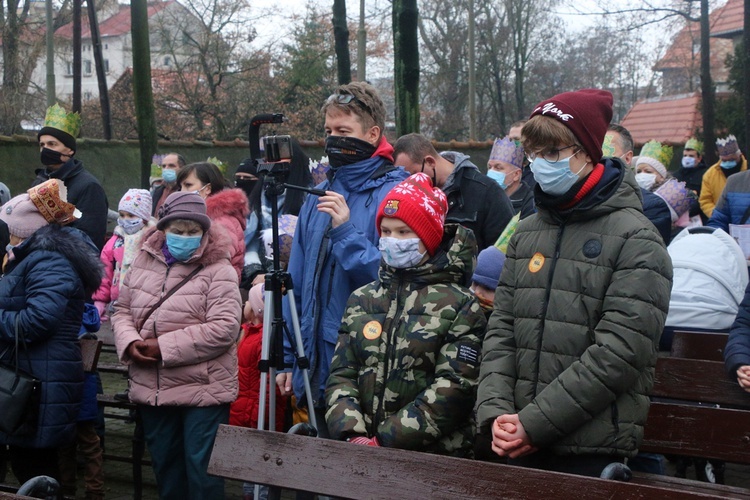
[{"x": 182, "y": 358}]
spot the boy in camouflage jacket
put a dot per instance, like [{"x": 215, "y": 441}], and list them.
[{"x": 406, "y": 364}]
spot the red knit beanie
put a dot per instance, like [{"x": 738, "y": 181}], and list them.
[
  {"x": 586, "y": 113},
  {"x": 420, "y": 206}
]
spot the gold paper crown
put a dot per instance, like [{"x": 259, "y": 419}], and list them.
[
  {"x": 50, "y": 198},
  {"x": 695, "y": 145},
  {"x": 70, "y": 123},
  {"x": 219, "y": 164},
  {"x": 659, "y": 152}
]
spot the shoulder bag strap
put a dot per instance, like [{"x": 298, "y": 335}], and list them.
[{"x": 167, "y": 295}]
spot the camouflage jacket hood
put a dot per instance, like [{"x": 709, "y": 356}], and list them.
[{"x": 407, "y": 358}]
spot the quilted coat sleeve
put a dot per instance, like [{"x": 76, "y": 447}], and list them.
[
  {"x": 201, "y": 342},
  {"x": 122, "y": 319},
  {"x": 448, "y": 401},
  {"x": 50, "y": 282},
  {"x": 625, "y": 340},
  {"x": 737, "y": 351},
  {"x": 497, "y": 374},
  {"x": 345, "y": 417}
]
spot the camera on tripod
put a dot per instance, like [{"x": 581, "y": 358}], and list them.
[{"x": 277, "y": 153}]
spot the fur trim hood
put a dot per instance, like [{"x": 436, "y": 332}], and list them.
[
  {"x": 232, "y": 202},
  {"x": 215, "y": 245},
  {"x": 72, "y": 244}
]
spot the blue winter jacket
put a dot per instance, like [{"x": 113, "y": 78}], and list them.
[
  {"x": 46, "y": 286},
  {"x": 733, "y": 206},
  {"x": 737, "y": 350},
  {"x": 327, "y": 265}
]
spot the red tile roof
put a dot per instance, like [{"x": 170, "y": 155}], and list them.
[
  {"x": 681, "y": 54},
  {"x": 117, "y": 25},
  {"x": 730, "y": 21},
  {"x": 672, "y": 120}
]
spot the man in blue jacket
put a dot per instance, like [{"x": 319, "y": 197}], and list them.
[{"x": 335, "y": 249}]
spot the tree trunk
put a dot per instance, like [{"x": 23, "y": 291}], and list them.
[
  {"x": 341, "y": 37},
  {"x": 50, "y": 65},
  {"x": 406, "y": 65},
  {"x": 362, "y": 45},
  {"x": 472, "y": 76},
  {"x": 77, "y": 56},
  {"x": 746, "y": 75},
  {"x": 101, "y": 75},
  {"x": 707, "y": 89},
  {"x": 142, "y": 94}
]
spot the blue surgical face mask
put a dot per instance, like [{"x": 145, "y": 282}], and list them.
[
  {"x": 169, "y": 174},
  {"x": 183, "y": 247},
  {"x": 688, "y": 161},
  {"x": 401, "y": 253},
  {"x": 498, "y": 177},
  {"x": 728, "y": 164},
  {"x": 555, "y": 178},
  {"x": 130, "y": 226}
]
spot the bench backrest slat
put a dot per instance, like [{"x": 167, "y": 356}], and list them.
[
  {"x": 699, "y": 381},
  {"x": 699, "y": 345},
  {"x": 698, "y": 431},
  {"x": 352, "y": 471}
]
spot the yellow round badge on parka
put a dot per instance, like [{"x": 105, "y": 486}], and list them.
[
  {"x": 372, "y": 330},
  {"x": 536, "y": 262}
]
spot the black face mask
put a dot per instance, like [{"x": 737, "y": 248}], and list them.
[
  {"x": 347, "y": 150},
  {"x": 51, "y": 157},
  {"x": 246, "y": 185}
]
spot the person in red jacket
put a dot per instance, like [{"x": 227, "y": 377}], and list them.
[{"x": 244, "y": 411}]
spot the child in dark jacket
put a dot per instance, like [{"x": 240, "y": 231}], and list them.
[{"x": 406, "y": 363}]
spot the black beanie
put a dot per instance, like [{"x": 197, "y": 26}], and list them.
[
  {"x": 64, "y": 137},
  {"x": 247, "y": 166}
]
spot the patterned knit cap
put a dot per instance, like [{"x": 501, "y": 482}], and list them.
[
  {"x": 420, "y": 206},
  {"x": 136, "y": 202}
]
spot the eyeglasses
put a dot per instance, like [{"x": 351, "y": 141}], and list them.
[
  {"x": 346, "y": 99},
  {"x": 551, "y": 155}
]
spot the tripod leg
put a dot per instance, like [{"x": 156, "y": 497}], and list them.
[{"x": 301, "y": 354}]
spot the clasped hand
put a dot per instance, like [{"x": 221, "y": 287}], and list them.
[
  {"x": 145, "y": 351},
  {"x": 509, "y": 438}
]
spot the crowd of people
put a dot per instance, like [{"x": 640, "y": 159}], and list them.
[{"x": 499, "y": 316}]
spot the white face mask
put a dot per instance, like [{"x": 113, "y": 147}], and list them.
[
  {"x": 401, "y": 253},
  {"x": 646, "y": 181}
]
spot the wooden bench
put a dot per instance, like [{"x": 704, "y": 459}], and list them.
[
  {"x": 683, "y": 427},
  {"x": 699, "y": 345},
  {"x": 350, "y": 471},
  {"x": 679, "y": 427}
]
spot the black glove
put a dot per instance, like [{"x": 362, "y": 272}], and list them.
[{"x": 249, "y": 273}]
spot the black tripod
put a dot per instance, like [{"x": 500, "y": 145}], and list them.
[{"x": 274, "y": 325}]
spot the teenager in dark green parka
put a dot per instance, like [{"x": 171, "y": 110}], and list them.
[{"x": 569, "y": 355}]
